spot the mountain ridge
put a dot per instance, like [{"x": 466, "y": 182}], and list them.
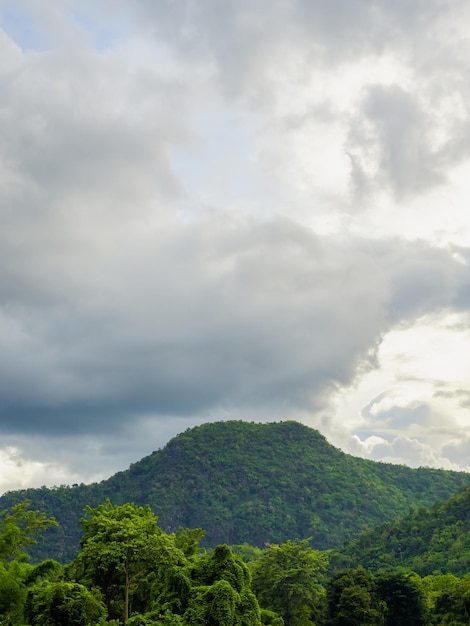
[
  {"x": 426, "y": 540},
  {"x": 247, "y": 482}
]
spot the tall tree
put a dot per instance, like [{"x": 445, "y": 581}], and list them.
[
  {"x": 287, "y": 579},
  {"x": 121, "y": 546}
]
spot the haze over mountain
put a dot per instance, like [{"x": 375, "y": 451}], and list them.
[{"x": 246, "y": 482}]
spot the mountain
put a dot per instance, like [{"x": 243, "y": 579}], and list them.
[
  {"x": 246, "y": 482},
  {"x": 427, "y": 541}
]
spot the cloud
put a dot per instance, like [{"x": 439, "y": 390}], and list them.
[
  {"x": 112, "y": 306},
  {"x": 17, "y": 472},
  {"x": 418, "y": 421},
  {"x": 408, "y": 451},
  {"x": 178, "y": 236},
  {"x": 390, "y": 143},
  {"x": 459, "y": 450},
  {"x": 199, "y": 315}
]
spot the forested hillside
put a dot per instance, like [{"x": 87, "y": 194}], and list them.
[
  {"x": 246, "y": 482},
  {"x": 130, "y": 572},
  {"x": 425, "y": 541}
]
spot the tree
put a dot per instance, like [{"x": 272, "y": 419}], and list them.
[
  {"x": 453, "y": 603},
  {"x": 11, "y": 597},
  {"x": 352, "y": 599},
  {"x": 187, "y": 540},
  {"x": 63, "y": 603},
  {"x": 221, "y": 593},
  {"x": 20, "y": 529},
  {"x": 404, "y": 598},
  {"x": 123, "y": 551},
  {"x": 287, "y": 579}
]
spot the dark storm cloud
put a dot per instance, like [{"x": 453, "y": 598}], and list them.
[{"x": 206, "y": 315}]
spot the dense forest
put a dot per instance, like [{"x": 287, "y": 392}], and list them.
[
  {"x": 131, "y": 572},
  {"x": 248, "y": 483},
  {"x": 425, "y": 541}
]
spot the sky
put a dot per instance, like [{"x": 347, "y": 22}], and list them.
[{"x": 234, "y": 209}]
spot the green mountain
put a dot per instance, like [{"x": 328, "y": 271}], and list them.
[
  {"x": 245, "y": 482},
  {"x": 427, "y": 541}
]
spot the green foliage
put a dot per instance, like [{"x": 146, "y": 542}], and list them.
[
  {"x": 222, "y": 591},
  {"x": 404, "y": 599},
  {"x": 12, "y": 595},
  {"x": 130, "y": 571},
  {"x": 287, "y": 580},
  {"x": 271, "y": 618},
  {"x": 352, "y": 599},
  {"x": 452, "y": 605},
  {"x": 214, "y": 605},
  {"x": 19, "y": 529},
  {"x": 145, "y": 576},
  {"x": 427, "y": 541},
  {"x": 246, "y": 552},
  {"x": 156, "y": 618},
  {"x": 123, "y": 545},
  {"x": 221, "y": 564},
  {"x": 188, "y": 540},
  {"x": 63, "y": 603},
  {"x": 244, "y": 482}
]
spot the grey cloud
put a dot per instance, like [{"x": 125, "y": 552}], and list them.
[
  {"x": 410, "y": 451},
  {"x": 461, "y": 395},
  {"x": 76, "y": 124},
  {"x": 112, "y": 309},
  {"x": 247, "y": 43},
  {"x": 403, "y": 138},
  {"x": 390, "y": 146},
  {"x": 459, "y": 450},
  {"x": 398, "y": 429},
  {"x": 251, "y": 45},
  {"x": 210, "y": 319},
  {"x": 199, "y": 316},
  {"x": 355, "y": 26},
  {"x": 399, "y": 417},
  {"x": 422, "y": 278}
]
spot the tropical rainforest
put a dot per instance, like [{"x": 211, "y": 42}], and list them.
[
  {"x": 129, "y": 571},
  {"x": 408, "y": 566},
  {"x": 246, "y": 482}
]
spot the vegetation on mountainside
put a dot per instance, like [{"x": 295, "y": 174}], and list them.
[
  {"x": 427, "y": 541},
  {"x": 246, "y": 482},
  {"x": 130, "y": 572}
]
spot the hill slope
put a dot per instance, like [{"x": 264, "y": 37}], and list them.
[
  {"x": 427, "y": 540},
  {"x": 257, "y": 483}
]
